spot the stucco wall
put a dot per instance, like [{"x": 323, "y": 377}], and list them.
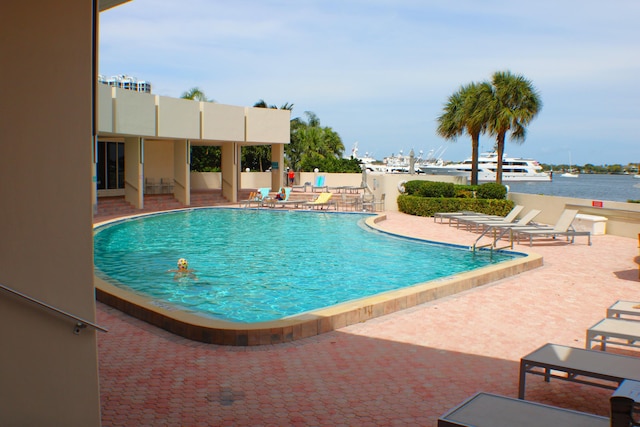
[
  {"x": 623, "y": 219},
  {"x": 48, "y": 374}
]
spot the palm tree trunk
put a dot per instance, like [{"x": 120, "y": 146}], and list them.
[
  {"x": 501, "y": 137},
  {"x": 475, "y": 142}
]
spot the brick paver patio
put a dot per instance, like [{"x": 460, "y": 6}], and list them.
[{"x": 403, "y": 369}]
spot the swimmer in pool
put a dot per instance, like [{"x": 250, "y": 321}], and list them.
[{"x": 183, "y": 271}]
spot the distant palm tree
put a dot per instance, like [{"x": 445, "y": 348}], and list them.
[
  {"x": 514, "y": 104},
  {"x": 195, "y": 94},
  {"x": 466, "y": 110}
]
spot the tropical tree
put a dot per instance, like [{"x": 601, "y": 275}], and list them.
[
  {"x": 466, "y": 110},
  {"x": 195, "y": 94},
  {"x": 311, "y": 143},
  {"x": 513, "y": 105}
]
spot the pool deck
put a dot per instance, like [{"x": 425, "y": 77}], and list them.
[{"x": 404, "y": 368}]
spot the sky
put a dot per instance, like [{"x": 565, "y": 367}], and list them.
[{"x": 379, "y": 72}]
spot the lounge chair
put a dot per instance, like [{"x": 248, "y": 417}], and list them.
[
  {"x": 273, "y": 202},
  {"x": 614, "y": 331},
  {"x": 323, "y": 199},
  {"x": 486, "y": 409},
  {"x": 320, "y": 184},
  {"x": 561, "y": 228},
  {"x": 629, "y": 309},
  {"x": 606, "y": 370},
  {"x": 456, "y": 217},
  {"x": 498, "y": 229},
  {"x": 508, "y": 221}
]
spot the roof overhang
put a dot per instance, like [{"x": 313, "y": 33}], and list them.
[{"x": 108, "y": 4}]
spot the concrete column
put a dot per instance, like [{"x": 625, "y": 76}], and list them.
[
  {"x": 277, "y": 174},
  {"x": 230, "y": 165},
  {"x": 134, "y": 171},
  {"x": 182, "y": 171}
]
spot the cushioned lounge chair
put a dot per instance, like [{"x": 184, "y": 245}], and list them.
[
  {"x": 323, "y": 199},
  {"x": 562, "y": 227}
]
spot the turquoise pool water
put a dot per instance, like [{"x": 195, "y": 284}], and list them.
[{"x": 260, "y": 265}]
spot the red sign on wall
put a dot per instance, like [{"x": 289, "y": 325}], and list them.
[{"x": 597, "y": 203}]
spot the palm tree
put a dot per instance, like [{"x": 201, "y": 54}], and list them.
[
  {"x": 514, "y": 104},
  {"x": 195, "y": 94},
  {"x": 466, "y": 110}
]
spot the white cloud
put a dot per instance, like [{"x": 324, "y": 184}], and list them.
[{"x": 379, "y": 71}]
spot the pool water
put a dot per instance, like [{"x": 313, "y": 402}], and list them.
[{"x": 260, "y": 265}]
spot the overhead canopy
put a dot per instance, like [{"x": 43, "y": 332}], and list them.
[{"x": 108, "y": 4}]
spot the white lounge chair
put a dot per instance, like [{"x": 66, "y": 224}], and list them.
[
  {"x": 561, "y": 228},
  {"x": 590, "y": 367},
  {"x": 458, "y": 217},
  {"x": 614, "y": 331}
]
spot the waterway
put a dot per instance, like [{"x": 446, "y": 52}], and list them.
[{"x": 615, "y": 188}]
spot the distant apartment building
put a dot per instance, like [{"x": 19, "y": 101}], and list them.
[{"x": 126, "y": 82}]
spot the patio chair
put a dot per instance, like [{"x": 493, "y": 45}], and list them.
[
  {"x": 247, "y": 202},
  {"x": 323, "y": 199},
  {"x": 348, "y": 203},
  {"x": 302, "y": 187},
  {"x": 562, "y": 227},
  {"x": 378, "y": 205}
]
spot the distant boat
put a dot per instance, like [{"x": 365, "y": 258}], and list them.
[
  {"x": 570, "y": 173},
  {"x": 513, "y": 169}
]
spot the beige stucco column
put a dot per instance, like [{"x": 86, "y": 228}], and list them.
[
  {"x": 134, "y": 171},
  {"x": 277, "y": 158},
  {"x": 230, "y": 165},
  {"x": 48, "y": 373},
  {"x": 182, "y": 171}
]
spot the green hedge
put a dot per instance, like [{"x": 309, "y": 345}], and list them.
[{"x": 427, "y": 206}]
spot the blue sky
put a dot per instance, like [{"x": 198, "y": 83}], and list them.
[{"x": 379, "y": 71}]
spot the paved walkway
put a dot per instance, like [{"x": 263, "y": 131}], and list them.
[{"x": 403, "y": 369}]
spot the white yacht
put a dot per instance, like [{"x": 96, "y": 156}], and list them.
[{"x": 513, "y": 169}]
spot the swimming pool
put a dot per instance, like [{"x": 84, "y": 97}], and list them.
[{"x": 254, "y": 267}]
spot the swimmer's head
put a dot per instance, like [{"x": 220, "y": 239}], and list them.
[{"x": 182, "y": 264}]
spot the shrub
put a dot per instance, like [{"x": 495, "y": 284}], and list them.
[
  {"x": 430, "y": 189},
  {"x": 427, "y": 206},
  {"x": 491, "y": 190}
]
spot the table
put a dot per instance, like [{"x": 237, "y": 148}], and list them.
[
  {"x": 578, "y": 365},
  {"x": 490, "y": 410}
]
